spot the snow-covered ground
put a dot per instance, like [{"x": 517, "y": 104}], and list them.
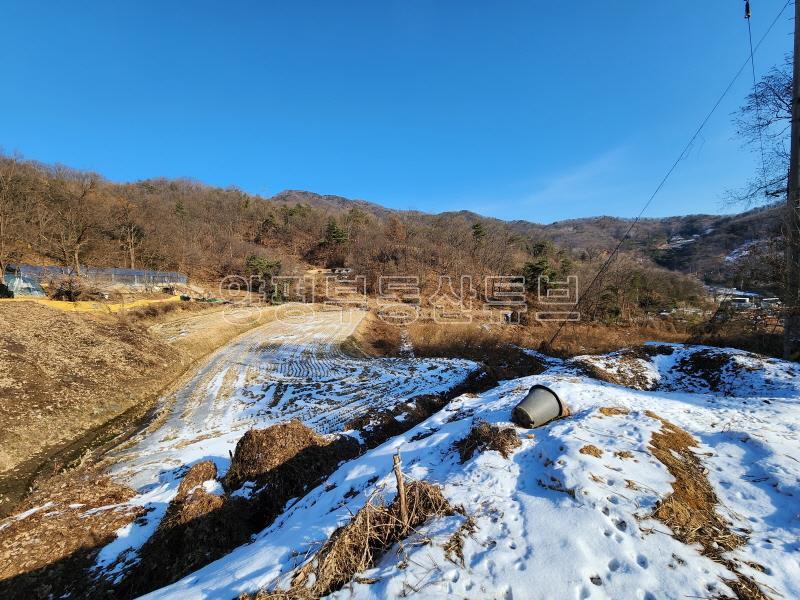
[
  {"x": 742, "y": 251},
  {"x": 276, "y": 372},
  {"x": 553, "y": 522}
]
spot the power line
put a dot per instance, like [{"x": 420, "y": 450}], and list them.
[{"x": 673, "y": 167}]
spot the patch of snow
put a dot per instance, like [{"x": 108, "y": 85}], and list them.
[
  {"x": 246, "y": 491},
  {"x": 742, "y": 251}
]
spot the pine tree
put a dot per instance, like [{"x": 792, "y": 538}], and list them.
[{"x": 335, "y": 234}]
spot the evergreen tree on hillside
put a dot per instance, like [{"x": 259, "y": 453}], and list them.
[{"x": 335, "y": 234}]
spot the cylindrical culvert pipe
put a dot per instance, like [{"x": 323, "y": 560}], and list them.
[{"x": 540, "y": 406}]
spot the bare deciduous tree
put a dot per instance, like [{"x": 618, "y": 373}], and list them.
[
  {"x": 129, "y": 231},
  {"x": 65, "y": 223},
  {"x": 12, "y": 200},
  {"x": 764, "y": 122}
]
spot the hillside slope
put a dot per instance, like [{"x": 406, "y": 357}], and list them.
[{"x": 702, "y": 244}]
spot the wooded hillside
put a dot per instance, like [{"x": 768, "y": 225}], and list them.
[{"x": 57, "y": 215}]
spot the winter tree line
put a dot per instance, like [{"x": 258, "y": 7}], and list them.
[{"x": 57, "y": 215}]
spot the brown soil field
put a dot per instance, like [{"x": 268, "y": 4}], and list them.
[{"x": 71, "y": 382}]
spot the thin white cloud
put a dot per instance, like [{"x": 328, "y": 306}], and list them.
[
  {"x": 588, "y": 188},
  {"x": 601, "y": 185}
]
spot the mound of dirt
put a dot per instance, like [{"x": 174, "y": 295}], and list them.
[
  {"x": 260, "y": 451},
  {"x": 707, "y": 365},
  {"x": 197, "y": 474},
  {"x": 484, "y": 436},
  {"x": 197, "y": 529},
  {"x": 49, "y": 545},
  {"x": 631, "y": 367},
  {"x": 284, "y": 461}
]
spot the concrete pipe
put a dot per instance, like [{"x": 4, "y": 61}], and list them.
[{"x": 540, "y": 406}]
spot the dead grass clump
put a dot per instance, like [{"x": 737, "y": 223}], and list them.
[
  {"x": 454, "y": 548},
  {"x": 484, "y": 436},
  {"x": 690, "y": 511},
  {"x": 359, "y": 544},
  {"x": 624, "y": 454},
  {"x": 611, "y": 411},
  {"x": 591, "y": 450},
  {"x": 628, "y": 370},
  {"x": 152, "y": 311}
]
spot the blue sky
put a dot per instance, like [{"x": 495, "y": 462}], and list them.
[{"x": 516, "y": 109}]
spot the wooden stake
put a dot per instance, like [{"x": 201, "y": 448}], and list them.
[{"x": 401, "y": 490}]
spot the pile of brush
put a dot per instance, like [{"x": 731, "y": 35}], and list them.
[
  {"x": 484, "y": 436},
  {"x": 358, "y": 545}
]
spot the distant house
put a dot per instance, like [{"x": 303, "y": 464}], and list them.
[
  {"x": 739, "y": 302},
  {"x": 724, "y": 294}
]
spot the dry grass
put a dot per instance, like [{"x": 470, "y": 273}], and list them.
[
  {"x": 454, "y": 548},
  {"x": 598, "y": 338},
  {"x": 747, "y": 330},
  {"x": 690, "y": 511},
  {"x": 479, "y": 339},
  {"x": 624, "y": 454},
  {"x": 611, "y": 411},
  {"x": 63, "y": 374},
  {"x": 373, "y": 337},
  {"x": 591, "y": 450},
  {"x": 48, "y": 551},
  {"x": 359, "y": 544},
  {"x": 484, "y": 436},
  {"x": 498, "y": 348},
  {"x": 69, "y": 382}
]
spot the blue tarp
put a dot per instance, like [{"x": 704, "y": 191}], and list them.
[{"x": 21, "y": 285}]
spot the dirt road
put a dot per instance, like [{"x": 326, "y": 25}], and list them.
[{"x": 275, "y": 372}]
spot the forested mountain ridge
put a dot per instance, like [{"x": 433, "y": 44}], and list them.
[
  {"x": 709, "y": 246},
  {"x": 57, "y": 215}
]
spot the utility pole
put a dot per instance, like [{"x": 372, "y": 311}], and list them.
[{"x": 791, "y": 324}]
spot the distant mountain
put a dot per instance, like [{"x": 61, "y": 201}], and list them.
[{"x": 706, "y": 245}]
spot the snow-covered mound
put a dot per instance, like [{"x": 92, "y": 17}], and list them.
[
  {"x": 570, "y": 513},
  {"x": 704, "y": 369}
]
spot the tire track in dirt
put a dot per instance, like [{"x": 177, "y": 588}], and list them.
[{"x": 276, "y": 372}]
